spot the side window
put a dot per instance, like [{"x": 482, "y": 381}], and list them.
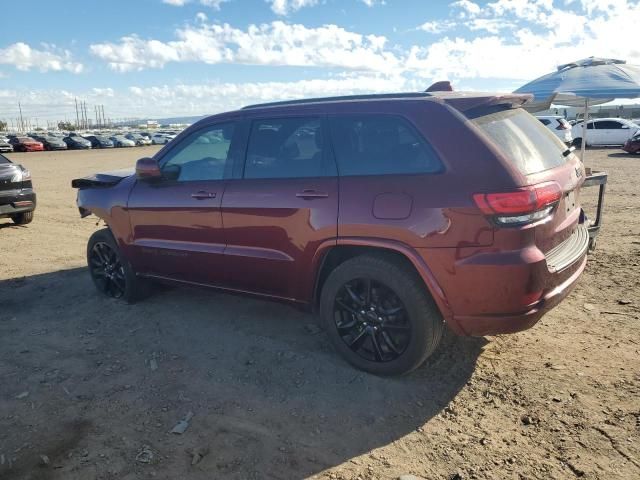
[
  {"x": 285, "y": 148},
  {"x": 380, "y": 145},
  {"x": 591, "y": 126},
  {"x": 608, "y": 125},
  {"x": 544, "y": 121},
  {"x": 201, "y": 156}
]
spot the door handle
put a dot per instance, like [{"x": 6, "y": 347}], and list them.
[
  {"x": 311, "y": 194},
  {"x": 201, "y": 195}
]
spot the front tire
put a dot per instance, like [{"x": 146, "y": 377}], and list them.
[
  {"x": 22, "y": 218},
  {"x": 379, "y": 315},
  {"x": 111, "y": 273}
]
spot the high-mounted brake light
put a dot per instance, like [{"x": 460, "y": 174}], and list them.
[{"x": 524, "y": 205}]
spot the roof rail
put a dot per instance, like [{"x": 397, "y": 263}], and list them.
[{"x": 345, "y": 98}]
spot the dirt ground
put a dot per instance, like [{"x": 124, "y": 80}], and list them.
[{"x": 90, "y": 388}]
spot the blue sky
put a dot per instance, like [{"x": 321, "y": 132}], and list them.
[{"x": 155, "y": 58}]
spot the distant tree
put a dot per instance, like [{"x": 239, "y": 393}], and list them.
[
  {"x": 66, "y": 126},
  {"x": 3, "y": 125}
]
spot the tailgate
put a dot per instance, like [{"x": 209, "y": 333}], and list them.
[{"x": 539, "y": 157}]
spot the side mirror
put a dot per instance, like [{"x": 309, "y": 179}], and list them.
[{"x": 147, "y": 168}]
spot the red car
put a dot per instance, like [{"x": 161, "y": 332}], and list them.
[
  {"x": 632, "y": 145},
  {"x": 26, "y": 144},
  {"x": 390, "y": 215}
]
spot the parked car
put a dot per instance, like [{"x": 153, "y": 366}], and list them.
[
  {"x": 558, "y": 126},
  {"x": 51, "y": 143},
  {"x": 371, "y": 217},
  {"x": 17, "y": 198},
  {"x": 160, "y": 139},
  {"x": 25, "y": 144},
  {"x": 122, "y": 141},
  {"x": 138, "y": 139},
  {"x": 605, "y": 131},
  {"x": 76, "y": 142},
  {"x": 5, "y": 146},
  {"x": 633, "y": 144},
  {"x": 99, "y": 141}
]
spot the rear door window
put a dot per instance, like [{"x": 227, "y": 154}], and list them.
[
  {"x": 380, "y": 145},
  {"x": 609, "y": 125},
  {"x": 530, "y": 146},
  {"x": 286, "y": 148}
]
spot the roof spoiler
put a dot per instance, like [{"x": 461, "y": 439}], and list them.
[{"x": 442, "y": 86}]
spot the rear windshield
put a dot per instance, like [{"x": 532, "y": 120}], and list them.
[{"x": 528, "y": 144}]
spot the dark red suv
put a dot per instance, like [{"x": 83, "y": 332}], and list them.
[{"x": 389, "y": 214}]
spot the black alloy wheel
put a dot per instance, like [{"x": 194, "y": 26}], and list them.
[
  {"x": 107, "y": 270},
  {"x": 372, "y": 320}
]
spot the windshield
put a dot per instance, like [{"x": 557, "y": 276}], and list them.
[
  {"x": 526, "y": 142},
  {"x": 4, "y": 159}
]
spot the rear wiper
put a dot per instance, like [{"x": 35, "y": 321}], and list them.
[{"x": 568, "y": 151}]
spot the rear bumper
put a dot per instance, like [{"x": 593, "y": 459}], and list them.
[
  {"x": 24, "y": 201},
  {"x": 487, "y": 291},
  {"x": 511, "y": 323}
]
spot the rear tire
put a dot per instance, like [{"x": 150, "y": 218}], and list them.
[
  {"x": 111, "y": 273},
  {"x": 379, "y": 315},
  {"x": 22, "y": 218},
  {"x": 577, "y": 142}
]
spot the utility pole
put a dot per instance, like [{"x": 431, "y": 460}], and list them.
[
  {"x": 77, "y": 117},
  {"x": 21, "y": 119}
]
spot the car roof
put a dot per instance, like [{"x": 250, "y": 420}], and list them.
[
  {"x": 608, "y": 119},
  {"x": 459, "y": 100}
]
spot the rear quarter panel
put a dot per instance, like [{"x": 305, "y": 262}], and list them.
[{"x": 441, "y": 212}]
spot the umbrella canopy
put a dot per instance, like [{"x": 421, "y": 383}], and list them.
[
  {"x": 597, "y": 80},
  {"x": 586, "y": 82}
]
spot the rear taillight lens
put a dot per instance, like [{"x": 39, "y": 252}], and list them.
[
  {"x": 521, "y": 206},
  {"x": 563, "y": 125}
]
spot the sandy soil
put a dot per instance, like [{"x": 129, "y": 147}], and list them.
[{"x": 95, "y": 386}]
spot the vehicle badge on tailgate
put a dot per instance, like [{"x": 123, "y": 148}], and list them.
[{"x": 578, "y": 172}]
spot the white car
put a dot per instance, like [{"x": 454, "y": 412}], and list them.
[
  {"x": 138, "y": 139},
  {"x": 606, "y": 131},
  {"x": 161, "y": 138},
  {"x": 558, "y": 126},
  {"x": 121, "y": 141}
]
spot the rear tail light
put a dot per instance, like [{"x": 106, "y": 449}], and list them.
[
  {"x": 563, "y": 125},
  {"x": 521, "y": 206}
]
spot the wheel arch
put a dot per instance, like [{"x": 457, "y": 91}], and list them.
[{"x": 336, "y": 253}]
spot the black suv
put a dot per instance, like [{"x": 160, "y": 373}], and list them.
[{"x": 17, "y": 198}]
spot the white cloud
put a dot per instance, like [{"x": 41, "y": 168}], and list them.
[
  {"x": 215, "y": 4},
  {"x": 191, "y": 99},
  {"x": 437, "y": 26},
  {"x": 371, "y": 3},
  {"x": 277, "y": 43},
  {"x": 284, "y": 7},
  {"x": 526, "y": 38},
  {"x": 25, "y": 58},
  {"x": 467, "y": 8}
]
